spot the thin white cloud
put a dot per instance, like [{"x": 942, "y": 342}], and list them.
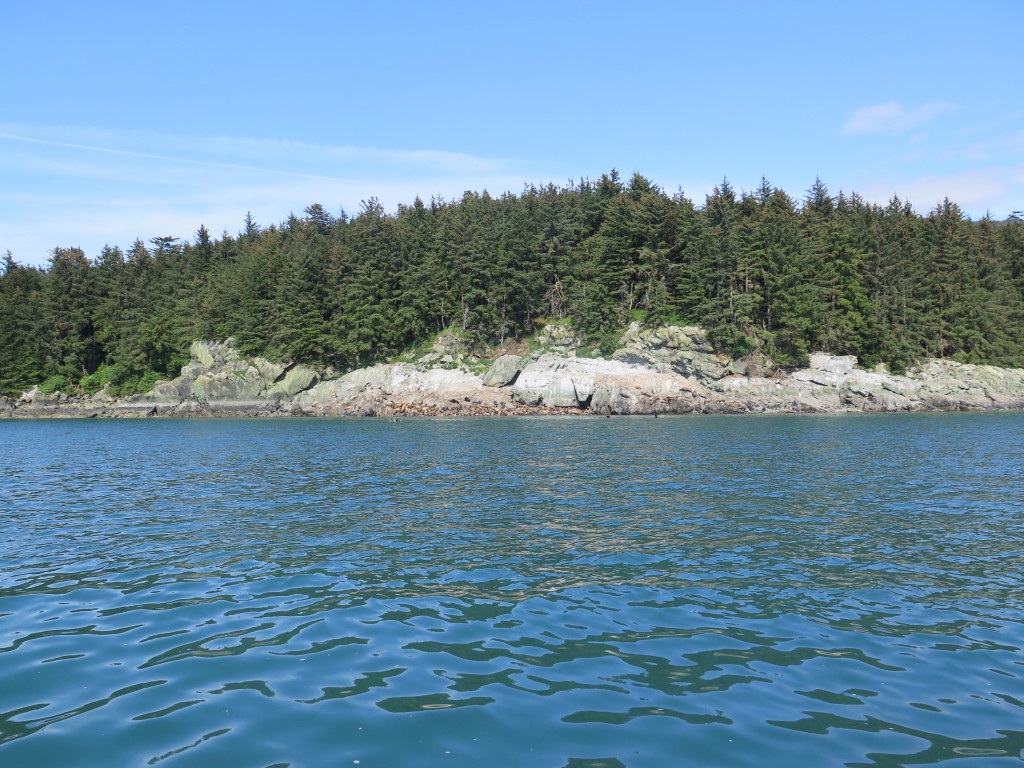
[
  {"x": 87, "y": 187},
  {"x": 151, "y": 156},
  {"x": 272, "y": 156},
  {"x": 999, "y": 189},
  {"x": 892, "y": 116},
  {"x": 996, "y": 147},
  {"x": 995, "y": 125}
]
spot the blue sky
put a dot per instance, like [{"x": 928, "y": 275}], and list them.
[{"x": 133, "y": 120}]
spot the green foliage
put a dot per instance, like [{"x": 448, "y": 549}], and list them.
[
  {"x": 609, "y": 342},
  {"x": 102, "y": 376},
  {"x": 591, "y": 350},
  {"x": 743, "y": 345},
  {"x": 53, "y": 384},
  {"x": 134, "y": 385}
]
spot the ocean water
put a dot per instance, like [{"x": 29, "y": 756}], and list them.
[{"x": 564, "y": 592}]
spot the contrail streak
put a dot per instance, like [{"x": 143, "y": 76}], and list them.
[{"x": 187, "y": 161}]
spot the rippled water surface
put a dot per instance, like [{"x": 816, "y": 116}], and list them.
[{"x": 710, "y": 591}]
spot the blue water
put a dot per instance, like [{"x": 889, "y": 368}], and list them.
[{"x": 691, "y": 591}]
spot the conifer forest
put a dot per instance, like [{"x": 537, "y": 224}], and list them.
[{"x": 762, "y": 271}]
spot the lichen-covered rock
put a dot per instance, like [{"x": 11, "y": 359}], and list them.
[
  {"x": 1006, "y": 402},
  {"x": 672, "y": 349},
  {"x": 232, "y": 384},
  {"x": 216, "y": 373},
  {"x": 200, "y": 353},
  {"x": 449, "y": 343},
  {"x": 166, "y": 392},
  {"x": 210, "y": 354},
  {"x": 269, "y": 371},
  {"x": 296, "y": 380},
  {"x": 559, "y": 339},
  {"x": 503, "y": 371}
]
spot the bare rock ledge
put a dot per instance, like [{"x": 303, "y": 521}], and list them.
[{"x": 656, "y": 371}]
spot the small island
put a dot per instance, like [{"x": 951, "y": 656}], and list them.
[{"x": 601, "y": 297}]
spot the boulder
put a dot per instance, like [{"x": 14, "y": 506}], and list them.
[
  {"x": 797, "y": 394},
  {"x": 865, "y": 384},
  {"x": 819, "y": 361},
  {"x": 878, "y": 401},
  {"x": 35, "y": 396},
  {"x": 400, "y": 389},
  {"x": 296, "y": 380},
  {"x": 270, "y": 372},
  {"x": 165, "y": 392},
  {"x": 1006, "y": 402},
  {"x": 818, "y": 376},
  {"x": 201, "y": 354},
  {"x": 939, "y": 402},
  {"x": 553, "y": 381},
  {"x": 103, "y": 396},
  {"x": 899, "y": 385},
  {"x": 503, "y": 371},
  {"x": 217, "y": 373}
]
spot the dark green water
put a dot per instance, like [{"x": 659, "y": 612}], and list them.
[{"x": 710, "y": 591}]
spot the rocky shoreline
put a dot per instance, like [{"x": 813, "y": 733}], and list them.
[{"x": 666, "y": 370}]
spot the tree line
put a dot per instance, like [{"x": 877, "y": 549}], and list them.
[{"x": 763, "y": 272}]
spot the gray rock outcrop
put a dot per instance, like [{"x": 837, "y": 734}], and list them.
[
  {"x": 834, "y": 384},
  {"x": 559, "y": 339},
  {"x": 402, "y": 389},
  {"x": 217, "y": 373},
  {"x": 289, "y": 384},
  {"x": 35, "y": 396},
  {"x": 103, "y": 396},
  {"x": 503, "y": 371},
  {"x": 670, "y": 349},
  {"x": 604, "y": 386},
  {"x": 658, "y": 370},
  {"x": 212, "y": 354}
]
